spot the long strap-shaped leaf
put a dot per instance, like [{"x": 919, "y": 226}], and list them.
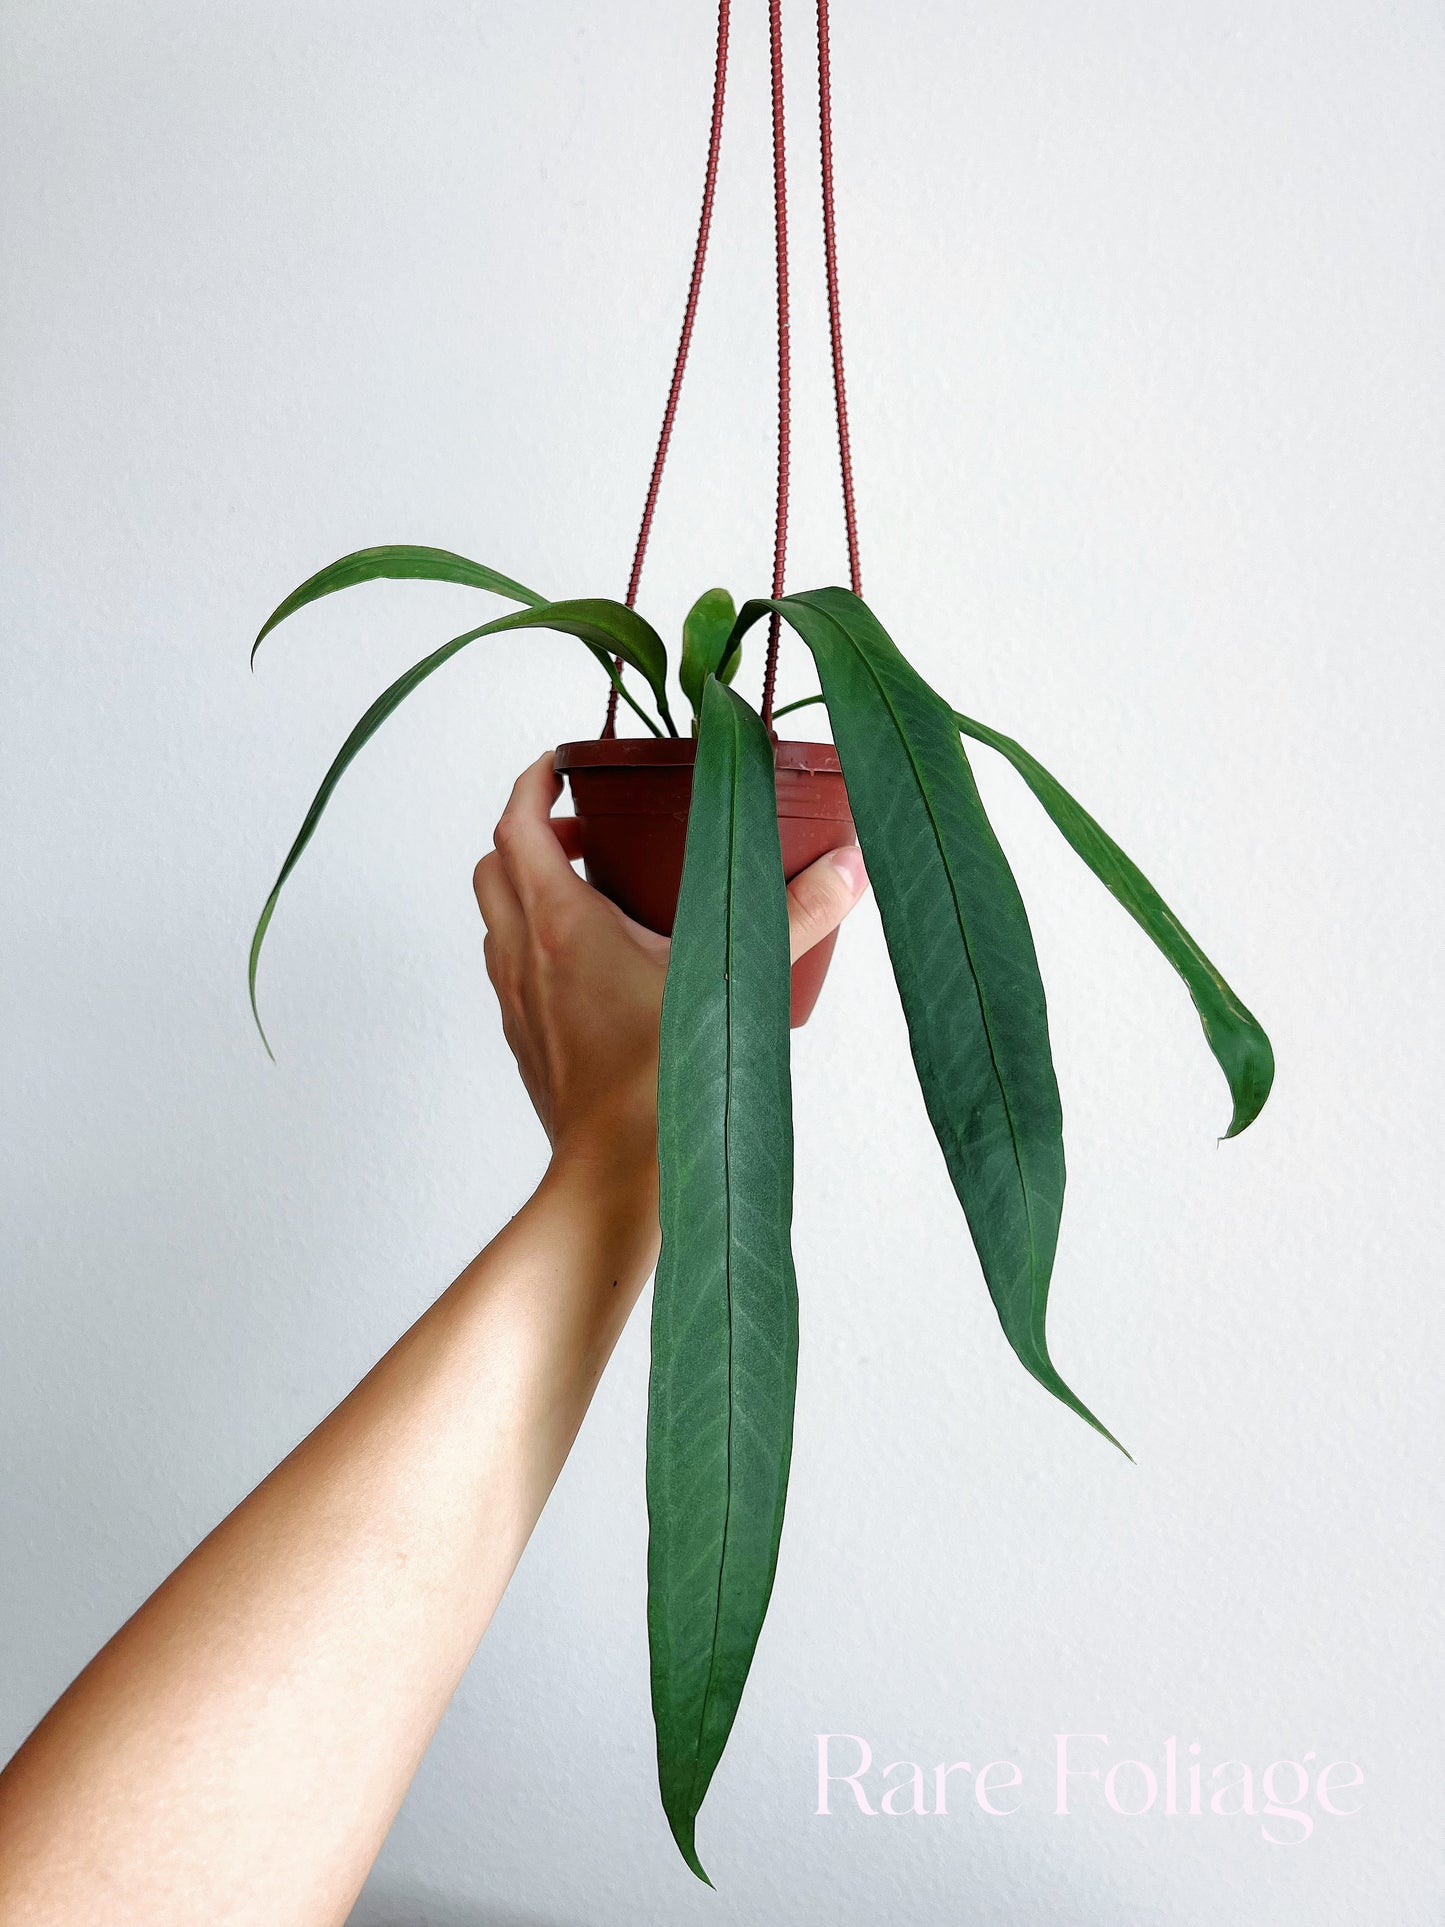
[
  {"x": 1234, "y": 1034},
  {"x": 397, "y": 561},
  {"x": 725, "y": 1313},
  {"x": 962, "y": 954},
  {"x": 607, "y": 628}
]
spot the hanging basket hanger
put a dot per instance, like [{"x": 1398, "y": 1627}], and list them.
[{"x": 835, "y": 325}]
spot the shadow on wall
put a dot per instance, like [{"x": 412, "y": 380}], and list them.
[{"x": 393, "y": 1907}]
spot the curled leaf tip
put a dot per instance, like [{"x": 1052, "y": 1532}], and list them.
[
  {"x": 684, "y": 1834},
  {"x": 1253, "y": 1084}
]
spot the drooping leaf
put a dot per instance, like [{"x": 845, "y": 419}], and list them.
[
  {"x": 705, "y": 632},
  {"x": 598, "y": 624},
  {"x": 962, "y": 954},
  {"x": 725, "y": 1317},
  {"x": 399, "y": 562},
  {"x": 1234, "y": 1034},
  {"x": 609, "y": 629}
]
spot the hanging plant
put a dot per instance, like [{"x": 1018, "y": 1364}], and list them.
[{"x": 697, "y": 836}]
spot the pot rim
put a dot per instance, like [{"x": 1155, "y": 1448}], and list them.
[{"x": 679, "y": 752}]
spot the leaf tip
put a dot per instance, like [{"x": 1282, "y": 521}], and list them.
[
  {"x": 1252, "y": 1089},
  {"x": 683, "y": 1832},
  {"x": 1105, "y": 1433},
  {"x": 266, "y": 627},
  {"x": 260, "y": 1027},
  {"x": 253, "y": 960},
  {"x": 1044, "y": 1370}
]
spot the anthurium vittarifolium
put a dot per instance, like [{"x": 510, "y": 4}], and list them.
[{"x": 724, "y": 1336}]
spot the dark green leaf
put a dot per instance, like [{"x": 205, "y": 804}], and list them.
[
  {"x": 398, "y": 561},
  {"x": 596, "y": 623},
  {"x": 609, "y": 629},
  {"x": 962, "y": 954},
  {"x": 705, "y": 632},
  {"x": 725, "y": 1310},
  {"x": 1235, "y": 1035}
]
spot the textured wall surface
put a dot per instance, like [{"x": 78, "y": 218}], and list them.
[{"x": 1144, "y": 304}]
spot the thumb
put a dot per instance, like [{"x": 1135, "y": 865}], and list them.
[{"x": 822, "y": 895}]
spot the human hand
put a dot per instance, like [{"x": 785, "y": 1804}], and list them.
[{"x": 580, "y": 984}]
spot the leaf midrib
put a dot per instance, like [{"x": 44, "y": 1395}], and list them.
[{"x": 693, "y": 1799}]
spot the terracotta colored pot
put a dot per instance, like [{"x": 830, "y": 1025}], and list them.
[{"x": 631, "y": 796}]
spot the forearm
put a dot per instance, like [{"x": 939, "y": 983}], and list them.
[{"x": 239, "y": 1749}]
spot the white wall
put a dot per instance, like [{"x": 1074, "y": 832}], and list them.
[{"x": 1144, "y": 308}]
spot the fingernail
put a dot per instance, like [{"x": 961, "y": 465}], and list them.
[{"x": 849, "y": 864}]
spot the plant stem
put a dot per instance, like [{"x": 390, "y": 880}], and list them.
[
  {"x": 632, "y": 703},
  {"x": 803, "y": 702}
]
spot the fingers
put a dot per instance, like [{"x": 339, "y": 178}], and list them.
[
  {"x": 533, "y": 859},
  {"x": 496, "y": 899},
  {"x": 822, "y": 895},
  {"x": 568, "y": 832},
  {"x": 526, "y": 840}
]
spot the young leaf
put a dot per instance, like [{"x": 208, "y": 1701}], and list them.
[
  {"x": 1233, "y": 1032},
  {"x": 400, "y": 561},
  {"x": 599, "y": 624},
  {"x": 705, "y": 632},
  {"x": 962, "y": 954},
  {"x": 725, "y": 1311}
]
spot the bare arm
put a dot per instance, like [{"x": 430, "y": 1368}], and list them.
[{"x": 238, "y": 1750}]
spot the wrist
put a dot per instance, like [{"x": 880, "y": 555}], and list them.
[
  {"x": 613, "y": 1147},
  {"x": 609, "y": 1177}
]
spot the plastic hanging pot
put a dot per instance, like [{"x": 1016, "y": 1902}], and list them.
[{"x": 631, "y": 797}]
